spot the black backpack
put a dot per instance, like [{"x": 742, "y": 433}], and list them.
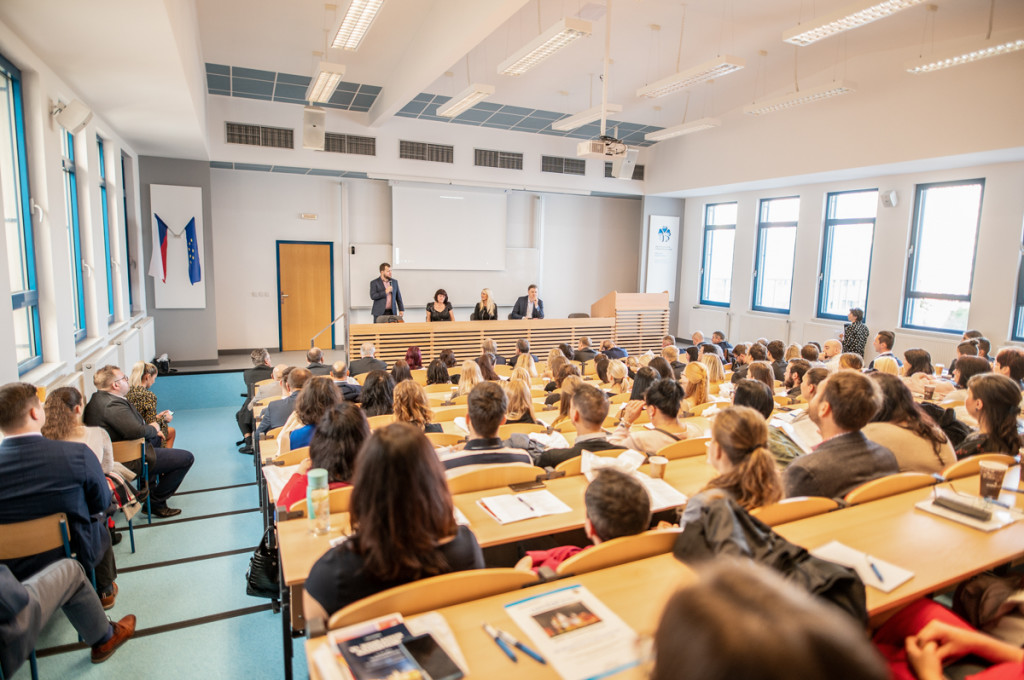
[{"x": 946, "y": 418}]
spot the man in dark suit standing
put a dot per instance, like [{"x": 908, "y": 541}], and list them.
[
  {"x": 108, "y": 409},
  {"x": 386, "y": 296},
  {"x": 366, "y": 361},
  {"x": 529, "y": 306},
  {"x": 315, "y": 357},
  {"x": 41, "y": 476}
]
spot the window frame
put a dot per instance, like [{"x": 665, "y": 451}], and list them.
[
  {"x": 762, "y": 227},
  {"x": 104, "y": 206},
  {"x": 29, "y": 297},
  {"x": 127, "y": 239},
  {"x": 920, "y": 191},
  {"x": 704, "y": 300},
  {"x": 826, "y": 250},
  {"x": 1017, "y": 330},
  {"x": 75, "y": 232}
]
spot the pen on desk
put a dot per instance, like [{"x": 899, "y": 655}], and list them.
[
  {"x": 507, "y": 637},
  {"x": 874, "y": 568},
  {"x": 1013, "y": 489},
  {"x": 523, "y": 501},
  {"x": 490, "y": 630}
]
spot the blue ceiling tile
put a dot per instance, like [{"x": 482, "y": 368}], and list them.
[
  {"x": 472, "y": 116},
  {"x": 340, "y": 98},
  {"x": 531, "y": 124},
  {"x": 246, "y": 95},
  {"x": 364, "y": 100},
  {"x": 290, "y": 170},
  {"x": 463, "y": 121},
  {"x": 412, "y": 108},
  {"x": 504, "y": 119},
  {"x": 359, "y": 109},
  {"x": 486, "y": 106},
  {"x": 284, "y": 90},
  {"x": 369, "y": 89},
  {"x": 252, "y": 166},
  {"x": 430, "y": 110},
  {"x": 293, "y": 79},
  {"x": 221, "y": 165},
  {"x": 441, "y": 99},
  {"x": 406, "y": 114},
  {"x": 423, "y": 97},
  {"x": 549, "y": 131},
  {"x": 218, "y": 82},
  {"x": 347, "y": 87},
  {"x": 255, "y": 74},
  {"x": 516, "y": 110},
  {"x": 247, "y": 86},
  {"x": 550, "y": 115},
  {"x": 219, "y": 69}
]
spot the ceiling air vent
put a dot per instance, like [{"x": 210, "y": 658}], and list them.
[
  {"x": 259, "y": 135},
  {"x": 362, "y": 146},
  {"x": 638, "y": 171},
  {"x": 563, "y": 166},
  {"x": 508, "y": 160},
  {"x": 421, "y": 151}
]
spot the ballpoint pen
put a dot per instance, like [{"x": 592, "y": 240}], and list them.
[
  {"x": 490, "y": 630},
  {"x": 508, "y": 639},
  {"x": 523, "y": 501},
  {"x": 874, "y": 568}
]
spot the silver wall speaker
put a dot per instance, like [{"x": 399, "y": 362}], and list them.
[
  {"x": 72, "y": 117},
  {"x": 313, "y": 132},
  {"x": 890, "y": 199}
]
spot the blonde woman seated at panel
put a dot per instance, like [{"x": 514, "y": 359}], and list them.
[
  {"x": 470, "y": 377},
  {"x": 716, "y": 373},
  {"x": 695, "y": 385},
  {"x": 413, "y": 407},
  {"x": 486, "y": 309}
]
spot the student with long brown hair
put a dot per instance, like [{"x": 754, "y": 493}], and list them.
[
  {"x": 695, "y": 385},
  {"x": 413, "y": 407},
  {"x": 403, "y": 525},
  {"x": 315, "y": 399},
  {"x": 994, "y": 401},
  {"x": 903, "y": 427}
]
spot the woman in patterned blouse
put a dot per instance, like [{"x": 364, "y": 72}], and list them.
[
  {"x": 855, "y": 334},
  {"x": 141, "y": 379}
]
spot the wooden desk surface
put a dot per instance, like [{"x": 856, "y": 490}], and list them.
[
  {"x": 616, "y": 587},
  {"x": 300, "y": 549}
]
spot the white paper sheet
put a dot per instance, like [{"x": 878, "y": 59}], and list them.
[
  {"x": 508, "y": 507},
  {"x": 663, "y": 494},
  {"x": 277, "y": 477},
  {"x": 892, "y": 576}
]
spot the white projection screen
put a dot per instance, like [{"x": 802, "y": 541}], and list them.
[{"x": 437, "y": 227}]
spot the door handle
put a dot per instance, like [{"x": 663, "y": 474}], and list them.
[{"x": 283, "y": 296}]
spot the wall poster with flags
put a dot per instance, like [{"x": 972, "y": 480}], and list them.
[{"x": 176, "y": 257}]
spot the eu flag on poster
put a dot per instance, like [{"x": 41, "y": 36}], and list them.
[{"x": 192, "y": 245}]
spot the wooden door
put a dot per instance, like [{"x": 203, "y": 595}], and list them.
[{"x": 306, "y": 293}]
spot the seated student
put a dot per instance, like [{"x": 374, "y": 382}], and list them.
[
  {"x": 851, "y": 361},
  {"x": 763, "y": 371},
  {"x": 984, "y": 348},
  {"x": 487, "y": 367},
  {"x": 277, "y": 412},
  {"x": 792, "y": 352},
  {"x": 400, "y": 371},
  {"x": 841, "y": 406},
  {"x": 469, "y": 378},
  {"x": 756, "y": 395},
  {"x": 564, "y": 372},
  {"x": 413, "y": 407},
  {"x": 746, "y": 469},
  {"x": 716, "y": 371},
  {"x": 588, "y": 407},
  {"x": 662, "y": 368},
  {"x": 695, "y": 386},
  {"x": 756, "y": 352},
  {"x": 317, "y": 397},
  {"x": 994, "y": 401},
  {"x": 26, "y": 607},
  {"x": 810, "y": 354},
  {"x": 739, "y": 356},
  {"x": 1010, "y": 362},
  {"x": 569, "y": 387},
  {"x": 618, "y": 378},
  {"x": 903, "y": 427},
  {"x": 378, "y": 398},
  {"x": 523, "y": 347},
  {"x": 403, "y": 525},
  {"x": 350, "y": 390},
  {"x": 440, "y": 309},
  {"x": 367, "y": 361},
  {"x": 793, "y": 377},
  {"x": 718, "y": 338},
  {"x": 966, "y": 368},
  {"x": 555, "y": 364},
  {"x": 617, "y": 505},
  {"x": 567, "y": 350},
  {"x": 601, "y": 368},
  {"x": 437, "y": 373},
  {"x": 671, "y": 355},
  {"x": 315, "y": 357},
  {"x": 490, "y": 347},
  {"x": 742, "y": 620},
  {"x": 141, "y": 397},
  {"x": 967, "y": 348},
  {"x": 610, "y": 350},
  {"x": 642, "y": 381},
  {"x": 830, "y": 355},
  {"x": 525, "y": 361},
  {"x": 336, "y": 441},
  {"x": 918, "y": 371},
  {"x": 883, "y": 344},
  {"x": 662, "y": 404},
  {"x": 886, "y": 365},
  {"x": 924, "y": 637},
  {"x": 777, "y": 356},
  {"x": 520, "y": 402},
  {"x": 414, "y": 358},
  {"x": 485, "y": 414},
  {"x": 584, "y": 352}
]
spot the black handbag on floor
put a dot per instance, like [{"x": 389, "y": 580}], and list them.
[{"x": 261, "y": 580}]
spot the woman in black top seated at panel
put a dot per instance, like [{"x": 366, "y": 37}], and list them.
[
  {"x": 486, "y": 309},
  {"x": 378, "y": 396},
  {"x": 403, "y": 525},
  {"x": 440, "y": 309}
]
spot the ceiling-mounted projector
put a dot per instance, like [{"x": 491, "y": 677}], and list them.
[{"x": 603, "y": 147}]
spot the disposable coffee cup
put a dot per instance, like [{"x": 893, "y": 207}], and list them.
[
  {"x": 659, "y": 463},
  {"x": 929, "y": 391},
  {"x": 992, "y": 474},
  {"x": 938, "y": 370}
]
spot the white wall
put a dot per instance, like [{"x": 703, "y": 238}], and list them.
[{"x": 998, "y": 253}]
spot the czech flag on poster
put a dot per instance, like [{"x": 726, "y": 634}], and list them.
[
  {"x": 158, "y": 259},
  {"x": 192, "y": 245}
]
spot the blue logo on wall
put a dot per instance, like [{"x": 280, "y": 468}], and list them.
[{"x": 664, "y": 234}]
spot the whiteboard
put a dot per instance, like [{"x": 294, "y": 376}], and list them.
[
  {"x": 444, "y": 227},
  {"x": 463, "y": 287}
]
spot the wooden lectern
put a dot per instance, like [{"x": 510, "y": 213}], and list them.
[{"x": 641, "y": 319}]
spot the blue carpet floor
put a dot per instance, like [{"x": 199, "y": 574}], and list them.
[{"x": 186, "y": 580}]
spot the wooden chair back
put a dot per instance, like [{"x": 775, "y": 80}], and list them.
[
  {"x": 461, "y": 400},
  {"x": 792, "y": 509},
  {"x": 260, "y": 383},
  {"x": 564, "y": 426},
  {"x": 783, "y": 399},
  {"x": 34, "y": 536},
  {"x": 573, "y": 466},
  {"x": 361, "y": 378},
  {"x": 446, "y": 414},
  {"x": 507, "y": 429},
  {"x": 503, "y": 370},
  {"x": 419, "y": 376},
  {"x": 971, "y": 466},
  {"x": 338, "y": 498},
  {"x": 441, "y": 388},
  {"x": 890, "y": 485},
  {"x": 380, "y": 421},
  {"x": 687, "y": 448},
  {"x": 272, "y": 434},
  {"x": 620, "y": 551},
  {"x": 433, "y": 593},
  {"x": 129, "y": 450},
  {"x": 492, "y": 477},
  {"x": 699, "y": 409},
  {"x": 619, "y": 398},
  {"x": 439, "y": 439},
  {"x": 538, "y": 393},
  {"x": 293, "y": 457}
]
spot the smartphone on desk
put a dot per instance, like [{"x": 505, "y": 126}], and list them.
[
  {"x": 526, "y": 486},
  {"x": 432, "y": 658}
]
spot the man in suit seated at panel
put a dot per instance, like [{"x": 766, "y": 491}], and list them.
[
  {"x": 108, "y": 408},
  {"x": 386, "y": 296},
  {"x": 587, "y": 411},
  {"x": 277, "y": 412},
  {"x": 315, "y": 357},
  {"x": 584, "y": 352},
  {"x": 488, "y": 346},
  {"x": 366, "y": 361},
  {"x": 350, "y": 389},
  {"x": 486, "y": 413},
  {"x": 529, "y": 306},
  {"x": 610, "y": 350},
  {"x": 41, "y": 477},
  {"x": 842, "y": 404}
]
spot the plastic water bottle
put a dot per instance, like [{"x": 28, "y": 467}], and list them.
[{"x": 318, "y": 504}]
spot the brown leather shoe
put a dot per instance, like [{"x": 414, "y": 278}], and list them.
[
  {"x": 108, "y": 600},
  {"x": 123, "y": 630}
]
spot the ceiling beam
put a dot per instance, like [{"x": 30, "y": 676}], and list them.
[{"x": 451, "y": 30}]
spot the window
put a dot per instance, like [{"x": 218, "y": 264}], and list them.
[
  {"x": 67, "y": 149},
  {"x": 106, "y": 232},
  {"x": 1018, "y": 313},
  {"x": 846, "y": 254},
  {"x": 716, "y": 261},
  {"x": 127, "y": 242},
  {"x": 940, "y": 263},
  {"x": 776, "y": 250},
  {"x": 17, "y": 215}
]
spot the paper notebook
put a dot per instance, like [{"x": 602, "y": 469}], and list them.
[
  {"x": 508, "y": 507},
  {"x": 892, "y": 576}
]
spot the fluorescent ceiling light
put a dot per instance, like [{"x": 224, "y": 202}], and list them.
[
  {"x": 325, "y": 82},
  {"x": 684, "y": 129},
  {"x": 966, "y": 57},
  {"x": 356, "y": 23},
  {"x": 716, "y": 68},
  {"x": 544, "y": 45},
  {"x": 852, "y": 16},
  {"x": 584, "y": 117},
  {"x": 465, "y": 100},
  {"x": 799, "y": 98}
]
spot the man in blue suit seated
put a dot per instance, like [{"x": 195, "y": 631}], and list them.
[
  {"x": 41, "y": 477},
  {"x": 529, "y": 306},
  {"x": 386, "y": 296}
]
